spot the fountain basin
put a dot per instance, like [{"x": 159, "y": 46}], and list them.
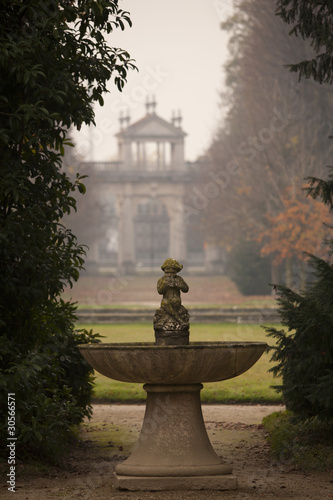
[{"x": 195, "y": 363}]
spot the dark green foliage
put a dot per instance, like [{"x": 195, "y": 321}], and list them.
[
  {"x": 54, "y": 63},
  {"x": 249, "y": 270},
  {"x": 304, "y": 353},
  {"x": 52, "y": 386},
  {"x": 312, "y": 21},
  {"x": 305, "y": 445},
  {"x": 322, "y": 188}
]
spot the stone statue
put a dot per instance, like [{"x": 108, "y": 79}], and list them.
[{"x": 172, "y": 318}]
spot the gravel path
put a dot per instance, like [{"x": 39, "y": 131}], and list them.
[{"x": 235, "y": 432}]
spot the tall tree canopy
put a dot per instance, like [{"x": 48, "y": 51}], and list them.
[
  {"x": 303, "y": 351},
  {"x": 313, "y": 23},
  {"x": 273, "y": 135},
  {"x": 54, "y": 64}
]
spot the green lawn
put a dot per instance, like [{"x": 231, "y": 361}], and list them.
[{"x": 253, "y": 386}]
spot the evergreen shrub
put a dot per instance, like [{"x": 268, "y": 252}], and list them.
[{"x": 304, "y": 350}]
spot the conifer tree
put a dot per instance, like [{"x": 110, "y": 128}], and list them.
[
  {"x": 304, "y": 353},
  {"x": 312, "y": 21}
]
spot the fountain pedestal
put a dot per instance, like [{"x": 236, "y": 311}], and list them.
[{"x": 173, "y": 451}]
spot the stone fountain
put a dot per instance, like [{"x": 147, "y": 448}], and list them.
[{"x": 173, "y": 451}]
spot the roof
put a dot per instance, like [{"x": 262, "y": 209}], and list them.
[{"x": 153, "y": 127}]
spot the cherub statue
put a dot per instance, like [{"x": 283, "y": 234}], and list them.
[{"x": 171, "y": 316}]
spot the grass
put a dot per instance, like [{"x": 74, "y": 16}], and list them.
[
  {"x": 307, "y": 445},
  {"x": 254, "y": 386},
  {"x": 251, "y": 303}
]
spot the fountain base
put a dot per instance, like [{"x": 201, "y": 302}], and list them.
[
  {"x": 173, "y": 451},
  {"x": 163, "y": 483}
]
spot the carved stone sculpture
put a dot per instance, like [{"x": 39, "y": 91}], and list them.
[{"x": 171, "y": 320}]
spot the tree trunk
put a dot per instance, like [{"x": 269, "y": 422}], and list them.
[{"x": 289, "y": 275}]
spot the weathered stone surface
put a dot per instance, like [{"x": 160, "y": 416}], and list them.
[
  {"x": 132, "y": 483},
  {"x": 177, "y": 320},
  {"x": 173, "y": 446},
  {"x": 172, "y": 316},
  {"x": 187, "y": 364},
  {"x": 169, "y": 337}
]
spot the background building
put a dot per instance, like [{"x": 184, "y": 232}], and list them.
[{"x": 143, "y": 194}]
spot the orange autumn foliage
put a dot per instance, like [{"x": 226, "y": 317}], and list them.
[{"x": 299, "y": 228}]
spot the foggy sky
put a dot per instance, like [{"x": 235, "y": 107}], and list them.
[{"x": 180, "y": 50}]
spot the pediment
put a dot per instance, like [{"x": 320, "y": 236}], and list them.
[{"x": 154, "y": 127}]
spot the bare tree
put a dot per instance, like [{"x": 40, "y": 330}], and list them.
[{"x": 275, "y": 133}]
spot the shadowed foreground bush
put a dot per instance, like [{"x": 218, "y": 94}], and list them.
[
  {"x": 56, "y": 63},
  {"x": 307, "y": 445},
  {"x": 51, "y": 386}
]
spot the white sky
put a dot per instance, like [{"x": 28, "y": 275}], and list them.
[{"x": 180, "y": 50}]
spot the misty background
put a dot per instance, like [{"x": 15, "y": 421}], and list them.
[{"x": 254, "y": 134}]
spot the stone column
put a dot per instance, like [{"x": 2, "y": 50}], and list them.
[
  {"x": 178, "y": 155},
  {"x": 126, "y": 254},
  {"x": 127, "y": 154},
  {"x": 137, "y": 159}
]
